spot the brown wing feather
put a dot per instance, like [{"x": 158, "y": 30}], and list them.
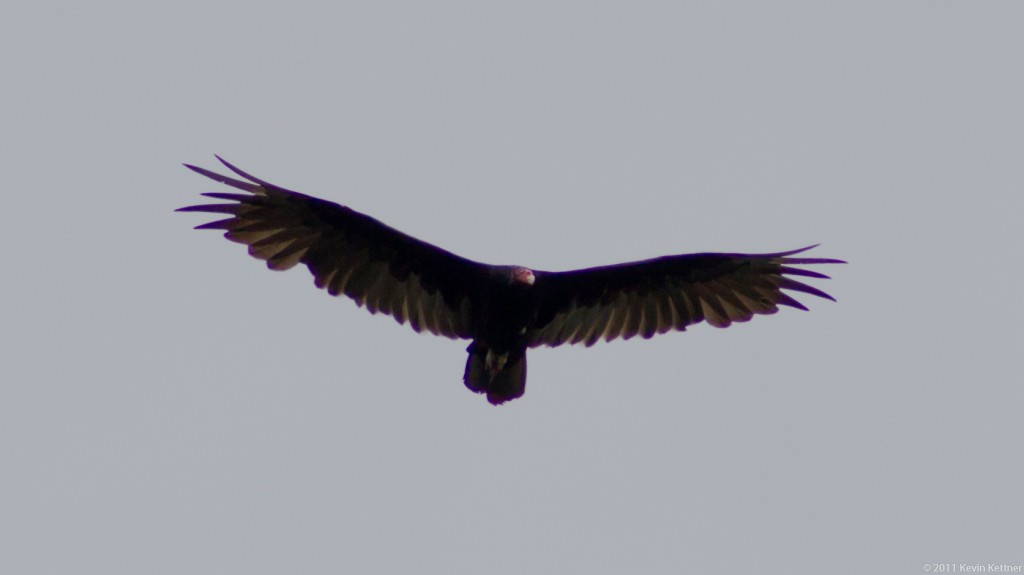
[
  {"x": 670, "y": 293},
  {"x": 348, "y": 253}
]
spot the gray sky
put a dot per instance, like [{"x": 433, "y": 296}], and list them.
[{"x": 170, "y": 406}]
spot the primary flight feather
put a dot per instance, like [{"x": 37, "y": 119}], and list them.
[{"x": 503, "y": 310}]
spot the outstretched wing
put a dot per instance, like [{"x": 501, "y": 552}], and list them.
[
  {"x": 348, "y": 253},
  {"x": 669, "y": 293}
]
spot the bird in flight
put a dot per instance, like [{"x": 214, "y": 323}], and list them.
[{"x": 502, "y": 310}]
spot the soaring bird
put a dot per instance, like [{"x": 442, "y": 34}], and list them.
[{"x": 502, "y": 310}]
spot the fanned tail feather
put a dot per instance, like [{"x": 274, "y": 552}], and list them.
[{"x": 507, "y": 384}]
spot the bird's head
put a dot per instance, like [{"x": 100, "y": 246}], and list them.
[{"x": 521, "y": 276}]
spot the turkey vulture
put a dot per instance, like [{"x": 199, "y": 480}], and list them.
[{"x": 502, "y": 310}]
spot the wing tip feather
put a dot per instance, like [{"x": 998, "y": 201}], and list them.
[
  {"x": 238, "y": 171},
  {"x": 783, "y": 257},
  {"x": 222, "y": 179}
]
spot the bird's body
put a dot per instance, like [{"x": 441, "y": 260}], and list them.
[
  {"x": 497, "y": 356},
  {"x": 503, "y": 310}
]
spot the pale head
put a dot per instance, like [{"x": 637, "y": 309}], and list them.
[{"x": 521, "y": 275}]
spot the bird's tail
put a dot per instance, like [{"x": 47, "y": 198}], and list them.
[{"x": 501, "y": 377}]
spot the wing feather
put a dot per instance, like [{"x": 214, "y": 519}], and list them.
[
  {"x": 347, "y": 252},
  {"x": 289, "y": 256},
  {"x": 649, "y": 322},
  {"x": 735, "y": 309},
  {"x": 614, "y": 323},
  {"x": 599, "y": 327},
  {"x": 664, "y": 294},
  {"x": 684, "y": 307}
]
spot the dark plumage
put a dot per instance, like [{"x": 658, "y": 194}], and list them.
[{"x": 503, "y": 309}]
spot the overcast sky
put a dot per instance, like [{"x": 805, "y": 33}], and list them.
[{"x": 170, "y": 406}]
